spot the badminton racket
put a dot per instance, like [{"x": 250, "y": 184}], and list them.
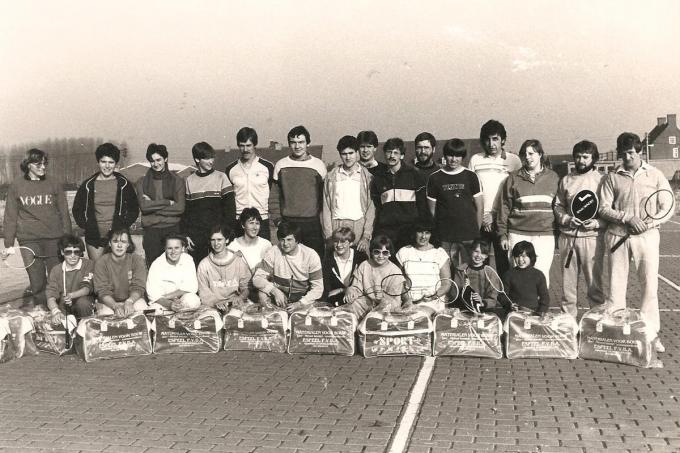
[
  {"x": 584, "y": 207},
  {"x": 656, "y": 207},
  {"x": 21, "y": 257},
  {"x": 497, "y": 284}
]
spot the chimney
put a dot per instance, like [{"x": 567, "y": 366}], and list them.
[
  {"x": 660, "y": 121},
  {"x": 671, "y": 119}
]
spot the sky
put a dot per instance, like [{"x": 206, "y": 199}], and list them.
[{"x": 179, "y": 72}]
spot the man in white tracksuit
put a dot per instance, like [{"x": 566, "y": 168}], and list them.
[
  {"x": 623, "y": 196},
  {"x": 586, "y": 237}
]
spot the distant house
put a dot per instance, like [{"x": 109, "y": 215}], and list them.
[{"x": 662, "y": 141}]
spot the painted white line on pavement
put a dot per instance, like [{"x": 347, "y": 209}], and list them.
[
  {"x": 673, "y": 221},
  {"x": 670, "y": 310},
  {"x": 400, "y": 440},
  {"x": 669, "y": 256},
  {"x": 670, "y": 283}
]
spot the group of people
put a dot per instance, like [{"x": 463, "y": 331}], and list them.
[{"x": 365, "y": 235}]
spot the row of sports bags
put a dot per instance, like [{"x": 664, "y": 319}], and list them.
[{"x": 604, "y": 335}]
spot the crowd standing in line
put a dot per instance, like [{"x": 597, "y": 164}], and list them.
[{"x": 206, "y": 238}]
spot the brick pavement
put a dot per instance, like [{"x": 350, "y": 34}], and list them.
[{"x": 275, "y": 402}]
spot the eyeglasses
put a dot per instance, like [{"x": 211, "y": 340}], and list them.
[
  {"x": 378, "y": 252},
  {"x": 69, "y": 252}
]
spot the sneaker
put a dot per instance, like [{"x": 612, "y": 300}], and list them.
[{"x": 658, "y": 346}]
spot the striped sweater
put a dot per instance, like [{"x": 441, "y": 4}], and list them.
[{"x": 526, "y": 203}]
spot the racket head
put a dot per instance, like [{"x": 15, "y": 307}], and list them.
[
  {"x": 494, "y": 279},
  {"x": 584, "y": 205},
  {"x": 659, "y": 204},
  {"x": 452, "y": 293},
  {"x": 22, "y": 258},
  {"x": 395, "y": 285}
]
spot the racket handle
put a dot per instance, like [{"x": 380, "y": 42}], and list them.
[
  {"x": 620, "y": 243},
  {"x": 571, "y": 254}
]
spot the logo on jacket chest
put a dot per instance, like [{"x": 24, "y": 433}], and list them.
[{"x": 36, "y": 200}]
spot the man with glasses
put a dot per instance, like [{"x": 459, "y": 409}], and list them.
[
  {"x": 252, "y": 178},
  {"x": 347, "y": 196}
]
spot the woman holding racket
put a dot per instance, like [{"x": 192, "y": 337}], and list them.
[
  {"x": 428, "y": 268},
  {"x": 526, "y": 206},
  {"x": 37, "y": 215},
  {"x": 104, "y": 201},
  {"x": 378, "y": 283},
  {"x": 635, "y": 199}
]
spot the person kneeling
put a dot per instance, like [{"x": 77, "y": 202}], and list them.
[
  {"x": 119, "y": 277},
  {"x": 69, "y": 287},
  {"x": 223, "y": 275},
  {"x": 290, "y": 274},
  {"x": 339, "y": 266},
  {"x": 171, "y": 283}
]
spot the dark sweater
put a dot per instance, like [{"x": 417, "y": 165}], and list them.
[
  {"x": 35, "y": 210},
  {"x": 331, "y": 277},
  {"x": 527, "y": 288}
]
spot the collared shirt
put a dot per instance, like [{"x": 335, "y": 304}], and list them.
[
  {"x": 347, "y": 196},
  {"x": 251, "y": 184},
  {"x": 624, "y": 194}
]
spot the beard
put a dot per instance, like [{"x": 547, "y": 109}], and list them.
[{"x": 586, "y": 169}]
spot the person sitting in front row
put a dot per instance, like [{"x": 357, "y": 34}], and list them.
[
  {"x": 429, "y": 269},
  {"x": 525, "y": 285},
  {"x": 339, "y": 266},
  {"x": 471, "y": 277},
  {"x": 223, "y": 275},
  {"x": 171, "y": 283},
  {"x": 120, "y": 277},
  {"x": 290, "y": 274},
  {"x": 378, "y": 283},
  {"x": 69, "y": 287},
  {"x": 251, "y": 244}
]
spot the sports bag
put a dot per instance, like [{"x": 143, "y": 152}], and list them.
[
  {"x": 463, "y": 333},
  {"x": 255, "y": 329},
  {"x": 550, "y": 336},
  {"x": 188, "y": 331},
  {"x": 402, "y": 332},
  {"x": 113, "y": 338},
  {"x": 322, "y": 331},
  {"x": 616, "y": 336}
]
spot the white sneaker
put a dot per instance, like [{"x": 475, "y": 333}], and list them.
[{"x": 658, "y": 346}]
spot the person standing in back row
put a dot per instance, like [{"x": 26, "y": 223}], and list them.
[
  {"x": 299, "y": 182},
  {"x": 399, "y": 195},
  {"x": 209, "y": 201},
  {"x": 493, "y": 166},
  {"x": 252, "y": 178},
  {"x": 589, "y": 244},
  {"x": 107, "y": 200},
  {"x": 36, "y": 214},
  {"x": 160, "y": 194},
  {"x": 623, "y": 196},
  {"x": 425, "y": 145}
]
